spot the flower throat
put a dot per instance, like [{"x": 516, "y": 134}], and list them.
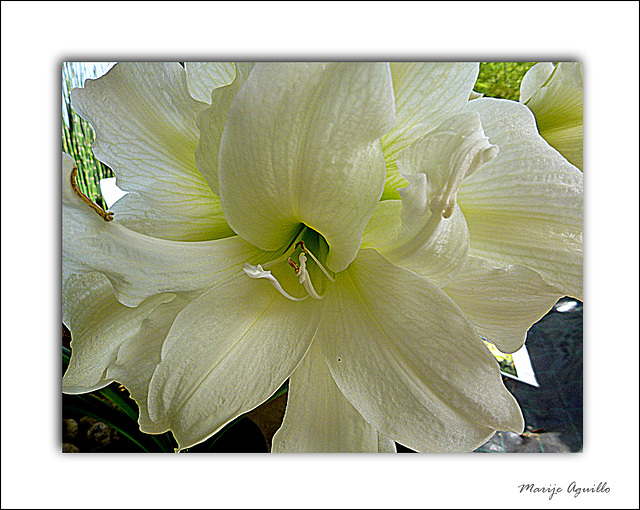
[{"x": 301, "y": 269}]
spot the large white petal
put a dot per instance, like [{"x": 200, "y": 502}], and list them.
[
  {"x": 145, "y": 123},
  {"x": 140, "y": 266},
  {"x": 227, "y": 352},
  {"x": 525, "y": 206},
  {"x": 502, "y": 303},
  {"x": 407, "y": 359},
  {"x": 301, "y": 146},
  {"x": 211, "y": 125},
  {"x": 426, "y": 93},
  {"x": 318, "y": 418}
]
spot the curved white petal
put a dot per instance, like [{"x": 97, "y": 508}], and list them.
[
  {"x": 501, "y": 303},
  {"x": 534, "y": 79},
  {"x": 558, "y": 105},
  {"x": 319, "y": 419},
  {"x": 407, "y": 359},
  {"x": 145, "y": 123},
  {"x": 137, "y": 360},
  {"x": 426, "y": 93},
  {"x": 211, "y": 125},
  {"x": 433, "y": 240},
  {"x": 99, "y": 326},
  {"x": 301, "y": 146},
  {"x": 204, "y": 77},
  {"x": 111, "y": 342},
  {"x": 525, "y": 206},
  {"x": 140, "y": 266},
  {"x": 227, "y": 352}
]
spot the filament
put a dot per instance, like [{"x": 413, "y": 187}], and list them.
[{"x": 106, "y": 216}]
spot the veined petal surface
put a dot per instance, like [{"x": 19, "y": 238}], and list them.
[
  {"x": 501, "y": 303},
  {"x": 211, "y": 124},
  {"x": 525, "y": 206},
  {"x": 319, "y": 419},
  {"x": 426, "y": 93},
  {"x": 407, "y": 359},
  {"x": 99, "y": 325},
  {"x": 204, "y": 77},
  {"x": 145, "y": 123},
  {"x": 301, "y": 146},
  {"x": 227, "y": 352},
  {"x": 558, "y": 106},
  {"x": 140, "y": 266},
  {"x": 112, "y": 342}
]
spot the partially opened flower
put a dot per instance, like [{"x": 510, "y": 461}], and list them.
[
  {"x": 555, "y": 95},
  {"x": 254, "y": 247}
]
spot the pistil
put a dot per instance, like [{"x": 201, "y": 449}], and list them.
[{"x": 258, "y": 272}]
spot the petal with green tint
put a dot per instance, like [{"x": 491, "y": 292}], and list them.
[
  {"x": 558, "y": 106},
  {"x": 407, "y": 359},
  {"x": 228, "y": 352},
  {"x": 204, "y": 77},
  {"x": 385, "y": 224},
  {"x": 426, "y": 93},
  {"x": 501, "y": 303},
  {"x": 211, "y": 125},
  {"x": 318, "y": 417},
  {"x": 145, "y": 123},
  {"x": 525, "y": 206},
  {"x": 301, "y": 146},
  {"x": 140, "y": 266}
]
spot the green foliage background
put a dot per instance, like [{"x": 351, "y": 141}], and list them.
[
  {"x": 502, "y": 79},
  {"x": 78, "y": 135}
]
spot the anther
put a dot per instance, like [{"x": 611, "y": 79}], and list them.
[
  {"x": 106, "y": 216},
  {"x": 295, "y": 266},
  {"x": 449, "y": 209}
]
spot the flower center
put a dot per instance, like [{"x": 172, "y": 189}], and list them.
[{"x": 301, "y": 269}]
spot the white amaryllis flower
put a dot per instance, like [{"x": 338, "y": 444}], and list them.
[
  {"x": 555, "y": 95},
  {"x": 254, "y": 247}
]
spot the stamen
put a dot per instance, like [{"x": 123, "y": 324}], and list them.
[
  {"x": 305, "y": 279},
  {"x": 295, "y": 266},
  {"x": 449, "y": 208},
  {"x": 106, "y": 216},
  {"x": 258, "y": 272},
  {"x": 304, "y": 249}
]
